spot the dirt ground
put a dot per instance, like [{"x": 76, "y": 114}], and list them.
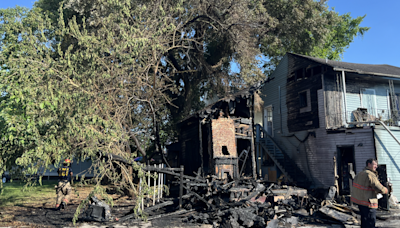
[{"x": 43, "y": 214}]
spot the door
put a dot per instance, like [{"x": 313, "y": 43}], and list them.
[
  {"x": 345, "y": 166},
  {"x": 368, "y": 101},
  {"x": 268, "y": 118}
]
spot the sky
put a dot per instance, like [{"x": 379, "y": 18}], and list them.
[{"x": 380, "y": 45}]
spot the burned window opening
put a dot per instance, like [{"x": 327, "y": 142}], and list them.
[
  {"x": 299, "y": 74},
  {"x": 303, "y": 99},
  {"x": 309, "y": 72},
  {"x": 225, "y": 150},
  {"x": 317, "y": 70}
]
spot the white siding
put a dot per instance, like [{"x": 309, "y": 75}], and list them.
[{"x": 388, "y": 153}]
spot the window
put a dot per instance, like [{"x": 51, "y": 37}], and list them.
[
  {"x": 303, "y": 99},
  {"x": 299, "y": 74},
  {"x": 268, "y": 120}
]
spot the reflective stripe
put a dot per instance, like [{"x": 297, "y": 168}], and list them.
[
  {"x": 363, "y": 187},
  {"x": 364, "y": 203}
]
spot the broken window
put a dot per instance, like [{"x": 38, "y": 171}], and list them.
[
  {"x": 303, "y": 99},
  {"x": 225, "y": 150}
]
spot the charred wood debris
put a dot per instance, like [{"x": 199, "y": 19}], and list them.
[{"x": 245, "y": 203}]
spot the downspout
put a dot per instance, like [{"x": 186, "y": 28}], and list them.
[
  {"x": 280, "y": 109},
  {"x": 344, "y": 99}
]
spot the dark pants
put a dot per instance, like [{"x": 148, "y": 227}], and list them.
[{"x": 368, "y": 216}]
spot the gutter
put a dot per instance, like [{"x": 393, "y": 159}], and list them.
[{"x": 364, "y": 72}]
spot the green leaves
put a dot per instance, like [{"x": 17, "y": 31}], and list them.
[{"x": 309, "y": 28}]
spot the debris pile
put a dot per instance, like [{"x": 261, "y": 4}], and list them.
[
  {"x": 97, "y": 210},
  {"x": 248, "y": 203}
]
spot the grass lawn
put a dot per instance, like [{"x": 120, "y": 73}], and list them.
[{"x": 13, "y": 194}]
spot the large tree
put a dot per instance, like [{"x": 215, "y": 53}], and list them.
[{"x": 251, "y": 35}]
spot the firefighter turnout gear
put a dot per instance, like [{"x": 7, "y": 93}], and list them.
[
  {"x": 63, "y": 189},
  {"x": 365, "y": 188}
]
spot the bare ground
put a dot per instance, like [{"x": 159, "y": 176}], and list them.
[{"x": 43, "y": 214}]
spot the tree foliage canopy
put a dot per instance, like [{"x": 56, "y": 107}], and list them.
[{"x": 94, "y": 77}]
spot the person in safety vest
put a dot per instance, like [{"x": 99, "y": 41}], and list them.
[
  {"x": 366, "y": 187},
  {"x": 63, "y": 188}
]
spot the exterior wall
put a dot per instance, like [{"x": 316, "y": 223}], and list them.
[
  {"x": 313, "y": 149},
  {"x": 314, "y": 154},
  {"x": 354, "y": 86},
  {"x": 387, "y": 152},
  {"x": 323, "y": 148},
  {"x": 273, "y": 93},
  {"x": 333, "y": 99},
  {"x": 301, "y": 79},
  {"x": 223, "y": 135}
]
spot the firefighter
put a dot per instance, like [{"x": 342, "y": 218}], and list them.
[
  {"x": 63, "y": 188},
  {"x": 366, "y": 186}
]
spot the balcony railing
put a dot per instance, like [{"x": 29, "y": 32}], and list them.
[{"x": 366, "y": 116}]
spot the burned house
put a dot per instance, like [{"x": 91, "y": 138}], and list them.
[
  {"x": 219, "y": 139},
  {"x": 322, "y": 119}
]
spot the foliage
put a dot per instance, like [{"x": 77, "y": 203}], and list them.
[
  {"x": 88, "y": 100},
  {"x": 339, "y": 38},
  {"x": 307, "y": 27}
]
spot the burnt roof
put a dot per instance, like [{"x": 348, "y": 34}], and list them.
[
  {"x": 374, "y": 69},
  {"x": 212, "y": 108}
]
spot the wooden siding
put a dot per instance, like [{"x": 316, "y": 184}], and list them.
[
  {"x": 333, "y": 100},
  {"x": 297, "y": 83},
  {"x": 388, "y": 153}
]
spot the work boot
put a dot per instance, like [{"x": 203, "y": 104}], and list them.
[{"x": 63, "y": 206}]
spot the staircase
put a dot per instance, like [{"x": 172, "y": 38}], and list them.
[{"x": 288, "y": 167}]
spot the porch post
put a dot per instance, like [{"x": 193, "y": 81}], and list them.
[{"x": 253, "y": 154}]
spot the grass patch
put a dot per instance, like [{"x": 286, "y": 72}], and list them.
[{"x": 13, "y": 193}]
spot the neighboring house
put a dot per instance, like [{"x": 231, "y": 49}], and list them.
[
  {"x": 80, "y": 169},
  {"x": 319, "y": 118},
  {"x": 219, "y": 139}
]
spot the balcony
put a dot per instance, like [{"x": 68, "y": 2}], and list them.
[{"x": 363, "y": 117}]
